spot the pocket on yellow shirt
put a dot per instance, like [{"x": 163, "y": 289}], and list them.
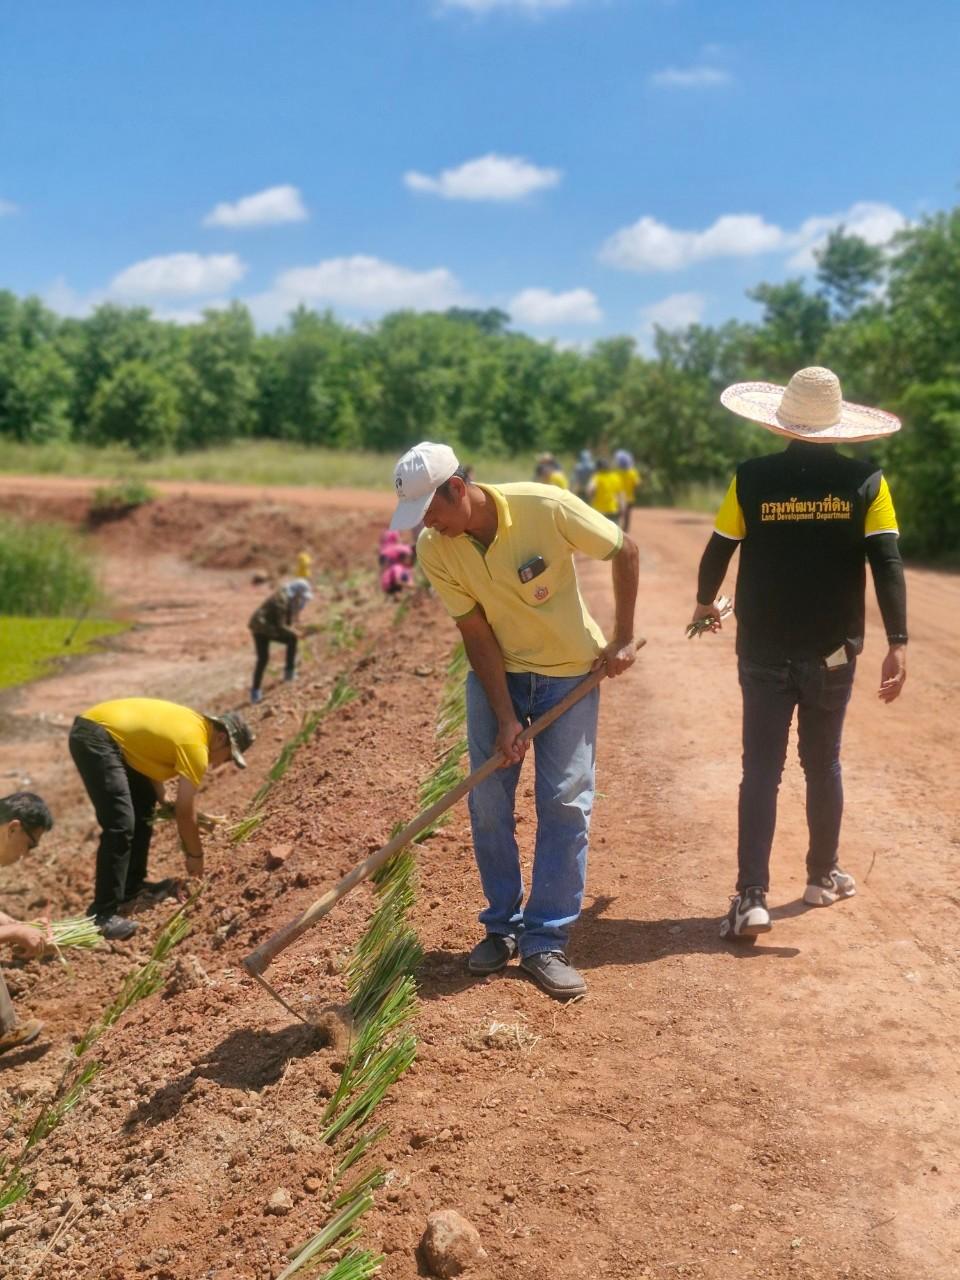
[{"x": 541, "y": 588}]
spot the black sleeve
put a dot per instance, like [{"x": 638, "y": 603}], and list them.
[
  {"x": 713, "y": 566},
  {"x": 883, "y": 552}
]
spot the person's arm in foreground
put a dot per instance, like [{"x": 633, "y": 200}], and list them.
[
  {"x": 713, "y": 568},
  {"x": 185, "y": 810},
  {"x": 883, "y": 552},
  {"x": 486, "y": 659},
  {"x": 621, "y": 652},
  {"x": 23, "y": 936}
]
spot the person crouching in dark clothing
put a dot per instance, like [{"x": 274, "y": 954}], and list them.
[{"x": 273, "y": 621}]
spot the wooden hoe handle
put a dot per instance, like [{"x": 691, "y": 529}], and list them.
[{"x": 257, "y": 961}]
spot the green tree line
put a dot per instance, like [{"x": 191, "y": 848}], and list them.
[{"x": 887, "y": 320}]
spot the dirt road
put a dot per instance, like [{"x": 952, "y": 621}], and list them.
[{"x": 782, "y": 1111}]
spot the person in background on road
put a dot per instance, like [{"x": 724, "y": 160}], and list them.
[
  {"x": 549, "y": 471},
  {"x": 629, "y": 483},
  {"x": 805, "y": 520},
  {"x": 501, "y": 560},
  {"x": 606, "y": 492},
  {"x": 304, "y": 564},
  {"x": 24, "y": 819},
  {"x": 125, "y": 751},
  {"x": 273, "y": 621},
  {"x": 583, "y": 471}
]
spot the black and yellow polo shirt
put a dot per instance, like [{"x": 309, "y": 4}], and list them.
[{"x": 802, "y": 518}]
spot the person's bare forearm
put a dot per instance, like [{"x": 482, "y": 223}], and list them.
[
  {"x": 189, "y": 832},
  {"x": 486, "y": 660},
  {"x": 626, "y": 575}
]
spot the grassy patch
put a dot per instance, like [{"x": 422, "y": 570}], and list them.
[
  {"x": 43, "y": 570},
  {"x": 246, "y": 462},
  {"x": 29, "y": 647},
  {"x": 113, "y": 500}
]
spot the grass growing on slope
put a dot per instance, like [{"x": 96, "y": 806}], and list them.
[{"x": 43, "y": 570}]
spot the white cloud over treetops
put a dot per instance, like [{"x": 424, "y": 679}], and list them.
[
  {"x": 489, "y": 177},
  {"x": 875, "y": 223},
  {"x": 179, "y": 275},
  {"x": 701, "y": 77},
  {"x": 265, "y": 208},
  {"x": 369, "y": 284},
  {"x": 676, "y": 311},
  {"x": 649, "y": 245},
  {"x": 539, "y": 307}
]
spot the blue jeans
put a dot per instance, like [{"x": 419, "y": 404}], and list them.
[
  {"x": 770, "y": 694},
  {"x": 565, "y": 761}
]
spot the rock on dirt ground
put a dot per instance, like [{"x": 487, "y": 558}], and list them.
[{"x": 781, "y": 1113}]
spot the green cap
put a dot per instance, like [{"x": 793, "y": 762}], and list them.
[{"x": 237, "y": 730}]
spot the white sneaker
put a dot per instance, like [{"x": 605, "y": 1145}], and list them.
[
  {"x": 826, "y": 890},
  {"x": 748, "y": 916}
]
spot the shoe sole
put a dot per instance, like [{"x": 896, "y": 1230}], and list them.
[
  {"x": 484, "y": 971},
  {"x": 748, "y": 934},
  {"x": 814, "y": 896}
]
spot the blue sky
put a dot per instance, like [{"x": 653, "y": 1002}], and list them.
[{"x": 587, "y": 165}]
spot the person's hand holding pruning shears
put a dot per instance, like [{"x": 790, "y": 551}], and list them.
[{"x": 709, "y": 617}]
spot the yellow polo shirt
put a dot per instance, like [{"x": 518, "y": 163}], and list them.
[
  {"x": 542, "y": 625},
  {"x": 607, "y": 488},
  {"x": 159, "y": 739}
]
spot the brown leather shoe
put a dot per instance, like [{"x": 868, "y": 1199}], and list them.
[{"x": 23, "y": 1033}]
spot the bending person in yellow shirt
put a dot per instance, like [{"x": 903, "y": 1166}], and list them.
[
  {"x": 125, "y": 751},
  {"x": 501, "y": 560}
]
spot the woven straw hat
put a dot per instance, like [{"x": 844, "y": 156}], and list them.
[{"x": 810, "y": 407}]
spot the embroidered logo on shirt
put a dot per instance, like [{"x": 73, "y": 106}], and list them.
[
  {"x": 828, "y": 508},
  {"x": 541, "y": 593}
]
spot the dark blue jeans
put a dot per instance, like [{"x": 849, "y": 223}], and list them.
[{"x": 770, "y": 694}]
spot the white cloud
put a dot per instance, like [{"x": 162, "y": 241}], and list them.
[
  {"x": 489, "y": 177},
  {"x": 520, "y": 6},
  {"x": 701, "y": 77},
  {"x": 676, "y": 311},
  {"x": 369, "y": 284},
  {"x": 540, "y": 307},
  {"x": 179, "y": 274},
  {"x": 266, "y": 208},
  {"x": 649, "y": 245},
  {"x": 876, "y": 223},
  {"x": 7, "y": 207},
  {"x": 189, "y": 315}
]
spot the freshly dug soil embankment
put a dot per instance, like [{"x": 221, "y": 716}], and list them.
[{"x": 782, "y": 1112}]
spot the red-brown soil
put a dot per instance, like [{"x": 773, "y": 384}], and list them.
[{"x": 784, "y": 1111}]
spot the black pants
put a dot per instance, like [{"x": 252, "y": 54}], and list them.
[
  {"x": 770, "y": 694},
  {"x": 124, "y": 801},
  {"x": 262, "y": 646}
]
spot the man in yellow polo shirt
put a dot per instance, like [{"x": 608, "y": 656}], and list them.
[
  {"x": 501, "y": 560},
  {"x": 606, "y": 491},
  {"x": 125, "y": 750}
]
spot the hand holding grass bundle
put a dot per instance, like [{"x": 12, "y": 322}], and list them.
[{"x": 76, "y": 931}]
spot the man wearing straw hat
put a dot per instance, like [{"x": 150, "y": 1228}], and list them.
[
  {"x": 500, "y": 558},
  {"x": 806, "y": 520}
]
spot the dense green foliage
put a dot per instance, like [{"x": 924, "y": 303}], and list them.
[
  {"x": 887, "y": 320},
  {"x": 43, "y": 570}
]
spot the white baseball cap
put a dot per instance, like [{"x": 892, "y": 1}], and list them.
[{"x": 417, "y": 477}]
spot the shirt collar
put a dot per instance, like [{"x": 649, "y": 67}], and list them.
[{"x": 504, "y": 520}]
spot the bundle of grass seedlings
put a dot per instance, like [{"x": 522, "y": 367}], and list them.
[{"x": 76, "y": 931}]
